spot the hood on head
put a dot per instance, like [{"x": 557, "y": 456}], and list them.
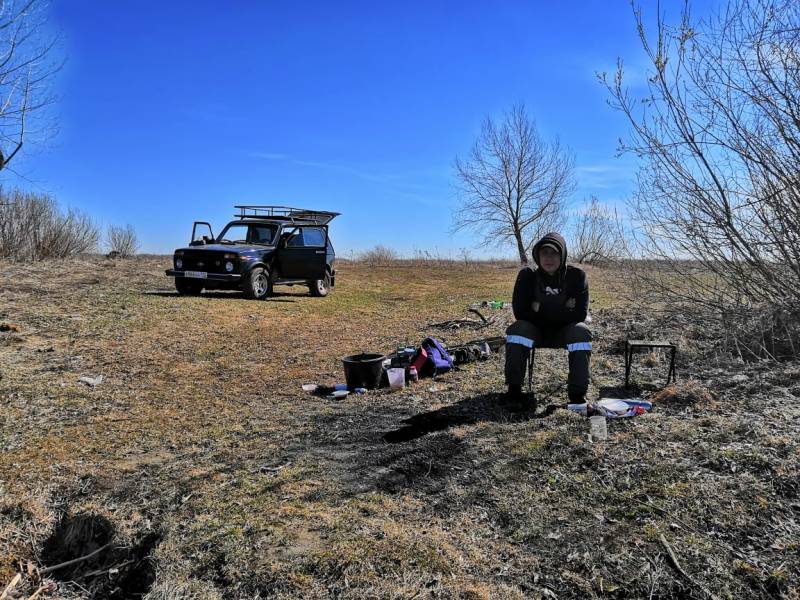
[{"x": 552, "y": 239}]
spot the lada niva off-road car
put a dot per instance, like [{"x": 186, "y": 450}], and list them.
[{"x": 263, "y": 247}]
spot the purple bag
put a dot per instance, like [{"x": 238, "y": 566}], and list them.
[{"x": 439, "y": 361}]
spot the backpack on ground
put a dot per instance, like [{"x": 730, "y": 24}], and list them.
[{"x": 431, "y": 358}]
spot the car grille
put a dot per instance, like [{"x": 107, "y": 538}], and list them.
[{"x": 208, "y": 261}]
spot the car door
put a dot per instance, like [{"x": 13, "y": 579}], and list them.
[{"x": 303, "y": 252}]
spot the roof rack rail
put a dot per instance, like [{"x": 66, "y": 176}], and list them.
[{"x": 285, "y": 213}]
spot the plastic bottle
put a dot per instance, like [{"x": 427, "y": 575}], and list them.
[
  {"x": 598, "y": 428},
  {"x": 412, "y": 374}
]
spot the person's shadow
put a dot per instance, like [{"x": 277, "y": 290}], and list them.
[{"x": 485, "y": 407}]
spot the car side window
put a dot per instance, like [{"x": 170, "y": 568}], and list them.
[
  {"x": 313, "y": 237},
  {"x": 296, "y": 239},
  {"x": 262, "y": 235}
]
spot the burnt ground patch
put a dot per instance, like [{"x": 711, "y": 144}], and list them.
[
  {"x": 423, "y": 467},
  {"x": 83, "y": 552}
]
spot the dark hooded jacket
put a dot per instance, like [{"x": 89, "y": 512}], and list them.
[{"x": 551, "y": 291}]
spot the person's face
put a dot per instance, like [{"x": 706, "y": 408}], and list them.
[{"x": 549, "y": 259}]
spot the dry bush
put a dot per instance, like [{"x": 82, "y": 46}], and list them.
[
  {"x": 596, "y": 236},
  {"x": 718, "y": 132},
  {"x": 378, "y": 256},
  {"x": 685, "y": 393},
  {"x": 430, "y": 258},
  {"x": 122, "y": 241},
  {"x": 33, "y": 228}
]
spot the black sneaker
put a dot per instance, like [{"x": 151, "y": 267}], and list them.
[{"x": 514, "y": 393}]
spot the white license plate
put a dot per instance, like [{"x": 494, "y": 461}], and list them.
[{"x": 196, "y": 274}]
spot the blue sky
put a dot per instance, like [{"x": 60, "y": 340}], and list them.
[{"x": 175, "y": 111}]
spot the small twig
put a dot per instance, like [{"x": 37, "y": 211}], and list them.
[
  {"x": 717, "y": 543},
  {"x": 73, "y": 561},
  {"x": 477, "y": 312},
  {"x": 674, "y": 561},
  {"x": 17, "y": 578},
  {"x": 41, "y": 589},
  {"x": 108, "y": 570}
]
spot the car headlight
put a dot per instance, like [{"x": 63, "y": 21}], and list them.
[
  {"x": 229, "y": 267},
  {"x": 178, "y": 263}
]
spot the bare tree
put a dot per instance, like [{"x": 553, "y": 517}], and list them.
[
  {"x": 512, "y": 181},
  {"x": 28, "y": 61},
  {"x": 596, "y": 234},
  {"x": 33, "y": 228},
  {"x": 122, "y": 241},
  {"x": 719, "y": 134}
]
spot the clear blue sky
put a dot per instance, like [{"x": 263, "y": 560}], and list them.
[{"x": 175, "y": 111}]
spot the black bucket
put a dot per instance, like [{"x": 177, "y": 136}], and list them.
[{"x": 363, "y": 370}]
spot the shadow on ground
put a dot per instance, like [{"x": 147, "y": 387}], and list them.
[
  {"x": 224, "y": 294},
  {"x": 485, "y": 407}
]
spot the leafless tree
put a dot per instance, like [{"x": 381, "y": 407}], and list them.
[
  {"x": 28, "y": 61},
  {"x": 596, "y": 234},
  {"x": 122, "y": 241},
  {"x": 719, "y": 134},
  {"x": 33, "y": 228},
  {"x": 513, "y": 182}
]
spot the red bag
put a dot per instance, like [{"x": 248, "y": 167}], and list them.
[{"x": 419, "y": 360}]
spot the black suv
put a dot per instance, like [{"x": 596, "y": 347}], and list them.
[{"x": 263, "y": 247}]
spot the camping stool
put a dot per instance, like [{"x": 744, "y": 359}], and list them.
[{"x": 631, "y": 345}]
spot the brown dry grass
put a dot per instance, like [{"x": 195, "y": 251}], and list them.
[{"x": 221, "y": 479}]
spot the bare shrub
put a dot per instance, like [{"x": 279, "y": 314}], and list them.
[
  {"x": 719, "y": 133},
  {"x": 122, "y": 241},
  {"x": 379, "y": 256},
  {"x": 513, "y": 184},
  {"x": 33, "y": 228},
  {"x": 596, "y": 235}
]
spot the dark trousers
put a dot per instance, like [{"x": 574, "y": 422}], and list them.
[{"x": 521, "y": 336}]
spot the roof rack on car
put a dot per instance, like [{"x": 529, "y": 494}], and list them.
[{"x": 285, "y": 213}]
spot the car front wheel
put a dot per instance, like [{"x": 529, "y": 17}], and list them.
[
  {"x": 258, "y": 284},
  {"x": 320, "y": 287}
]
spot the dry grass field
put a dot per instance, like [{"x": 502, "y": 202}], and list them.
[{"x": 199, "y": 469}]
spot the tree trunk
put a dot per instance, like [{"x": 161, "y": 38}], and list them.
[{"x": 523, "y": 255}]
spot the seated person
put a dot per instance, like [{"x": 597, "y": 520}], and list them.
[{"x": 550, "y": 305}]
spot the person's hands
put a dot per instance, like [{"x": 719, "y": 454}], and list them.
[
  {"x": 570, "y": 304},
  {"x": 535, "y": 306}
]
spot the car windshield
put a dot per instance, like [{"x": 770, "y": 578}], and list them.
[{"x": 247, "y": 233}]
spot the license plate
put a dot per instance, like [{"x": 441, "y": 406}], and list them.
[{"x": 196, "y": 274}]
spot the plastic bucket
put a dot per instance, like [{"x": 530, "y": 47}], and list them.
[{"x": 363, "y": 370}]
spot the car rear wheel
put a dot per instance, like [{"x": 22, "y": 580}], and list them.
[
  {"x": 258, "y": 284},
  {"x": 187, "y": 287},
  {"x": 320, "y": 287}
]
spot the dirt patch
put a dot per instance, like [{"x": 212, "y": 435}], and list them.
[{"x": 83, "y": 552}]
